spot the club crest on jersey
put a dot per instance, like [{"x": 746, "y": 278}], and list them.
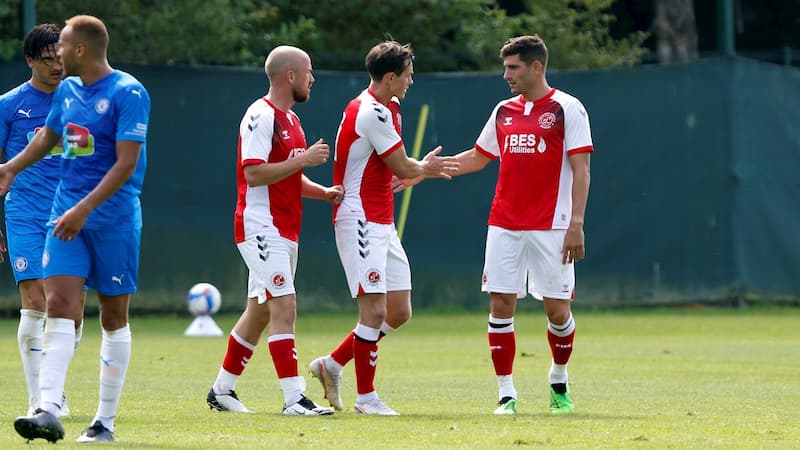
[
  {"x": 20, "y": 264},
  {"x": 278, "y": 280},
  {"x": 101, "y": 106},
  {"x": 373, "y": 276},
  {"x": 547, "y": 120}
]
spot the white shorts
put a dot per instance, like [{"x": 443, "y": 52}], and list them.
[
  {"x": 272, "y": 261},
  {"x": 514, "y": 257},
  {"x": 373, "y": 259}
]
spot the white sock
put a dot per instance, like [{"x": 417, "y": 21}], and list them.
[
  {"x": 57, "y": 352},
  {"x": 386, "y": 329},
  {"x": 115, "y": 355},
  {"x": 505, "y": 383},
  {"x": 30, "y": 337},
  {"x": 364, "y": 398},
  {"x": 558, "y": 373},
  {"x": 225, "y": 381},
  {"x": 293, "y": 388}
]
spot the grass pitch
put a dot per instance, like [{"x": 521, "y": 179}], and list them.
[{"x": 644, "y": 379}]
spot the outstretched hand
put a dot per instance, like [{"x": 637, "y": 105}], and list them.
[{"x": 440, "y": 166}]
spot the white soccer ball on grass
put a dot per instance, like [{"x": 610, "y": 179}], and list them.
[{"x": 203, "y": 299}]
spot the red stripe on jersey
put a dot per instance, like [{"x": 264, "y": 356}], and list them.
[
  {"x": 392, "y": 149},
  {"x": 584, "y": 149},
  {"x": 484, "y": 152}
]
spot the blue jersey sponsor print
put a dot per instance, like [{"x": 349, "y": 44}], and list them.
[
  {"x": 91, "y": 119},
  {"x": 22, "y": 112}
]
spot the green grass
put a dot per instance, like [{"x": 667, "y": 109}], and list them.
[{"x": 645, "y": 379}]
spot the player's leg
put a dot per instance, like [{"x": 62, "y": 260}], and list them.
[
  {"x": 282, "y": 349},
  {"x": 115, "y": 256},
  {"x": 30, "y": 335},
  {"x": 25, "y": 239},
  {"x": 504, "y": 279},
  {"x": 560, "y": 335},
  {"x": 554, "y": 282},
  {"x": 66, "y": 266},
  {"x": 371, "y": 315},
  {"x": 503, "y": 347}
]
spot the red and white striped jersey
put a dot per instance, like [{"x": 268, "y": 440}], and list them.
[
  {"x": 267, "y": 134},
  {"x": 533, "y": 141},
  {"x": 369, "y": 132}
]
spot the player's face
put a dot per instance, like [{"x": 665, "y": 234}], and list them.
[
  {"x": 399, "y": 84},
  {"x": 303, "y": 79},
  {"x": 47, "y": 69},
  {"x": 521, "y": 77},
  {"x": 68, "y": 51}
]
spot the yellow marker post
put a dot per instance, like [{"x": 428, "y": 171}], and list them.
[{"x": 423, "y": 120}]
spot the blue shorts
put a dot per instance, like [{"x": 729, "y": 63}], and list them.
[
  {"x": 108, "y": 260},
  {"x": 25, "y": 238}
]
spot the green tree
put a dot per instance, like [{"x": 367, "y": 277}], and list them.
[
  {"x": 10, "y": 34},
  {"x": 447, "y": 35}
]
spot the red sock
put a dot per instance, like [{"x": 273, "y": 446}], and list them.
[
  {"x": 560, "y": 346},
  {"x": 365, "y": 354},
  {"x": 237, "y": 356},
  {"x": 503, "y": 347},
  {"x": 344, "y": 352},
  {"x": 284, "y": 357}
]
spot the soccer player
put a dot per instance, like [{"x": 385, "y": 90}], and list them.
[
  {"x": 369, "y": 150},
  {"x": 101, "y": 115},
  {"x": 269, "y": 176},
  {"x": 543, "y": 141},
  {"x": 27, "y": 205}
]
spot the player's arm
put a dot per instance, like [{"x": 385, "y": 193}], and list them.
[
  {"x": 37, "y": 148},
  {"x": 317, "y": 191},
  {"x": 574, "y": 248},
  {"x": 468, "y": 161},
  {"x": 71, "y": 222},
  {"x": 431, "y": 166},
  {"x": 268, "y": 173}
]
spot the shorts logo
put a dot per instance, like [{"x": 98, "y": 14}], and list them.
[
  {"x": 45, "y": 259},
  {"x": 101, "y": 106},
  {"x": 547, "y": 120},
  {"x": 20, "y": 264},
  {"x": 278, "y": 280},
  {"x": 373, "y": 276},
  {"x": 484, "y": 278}
]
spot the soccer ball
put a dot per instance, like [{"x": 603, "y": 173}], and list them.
[{"x": 203, "y": 299}]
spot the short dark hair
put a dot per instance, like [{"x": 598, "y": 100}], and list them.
[
  {"x": 39, "y": 39},
  {"x": 388, "y": 56},
  {"x": 529, "y": 49}
]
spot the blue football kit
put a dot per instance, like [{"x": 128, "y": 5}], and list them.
[
  {"x": 91, "y": 119},
  {"x": 28, "y": 202}
]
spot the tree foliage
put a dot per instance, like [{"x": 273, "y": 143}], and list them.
[{"x": 446, "y": 34}]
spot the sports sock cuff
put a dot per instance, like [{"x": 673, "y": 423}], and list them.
[
  {"x": 366, "y": 333},
  {"x": 386, "y": 328},
  {"x": 500, "y": 325},
  {"x": 279, "y": 337},
  {"x": 32, "y": 313},
  {"x": 564, "y": 329},
  {"x": 59, "y": 325},
  {"x": 119, "y": 335},
  {"x": 242, "y": 342}
]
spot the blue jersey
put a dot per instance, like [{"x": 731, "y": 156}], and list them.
[
  {"x": 22, "y": 112},
  {"x": 91, "y": 119}
]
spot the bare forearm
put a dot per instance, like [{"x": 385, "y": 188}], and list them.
[
  {"x": 113, "y": 180},
  {"x": 580, "y": 196},
  {"x": 470, "y": 161},
  {"x": 312, "y": 190},
  {"x": 37, "y": 148},
  {"x": 270, "y": 173}
]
